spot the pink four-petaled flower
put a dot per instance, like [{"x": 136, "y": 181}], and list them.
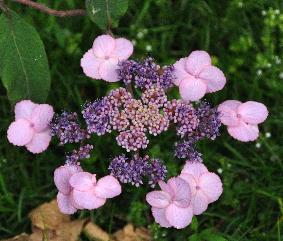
[
  {"x": 242, "y": 119},
  {"x": 81, "y": 190},
  {"x": 31, "y": 126},
  {"x": 171, "y": 207},
  {"x": 101, "y": 61},
  {"x": 196, "y": 76},
  {"x": 206, "y": 187}
]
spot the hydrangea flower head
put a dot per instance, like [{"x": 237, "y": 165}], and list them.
[
  {"x": 171, "y": 207},
  {"x": 90, "y": 193},
  {"x": 242, "y": 119},
  {"x": 196, "y": 76},
  {"x": 101, "y": 61},
  {"x": 206, "y": 187},
  {"x": 31, "y": 126}
]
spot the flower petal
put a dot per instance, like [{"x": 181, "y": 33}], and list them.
[
  {"x": 213, "y": 77},
  {"x": 41, "y": 117},
  {"x": 90, "y": 64},
  {"x": 199, "y": 202},
  {"x": 180, "y": 71},
  {"x": 62, "y": 176},
  {"x": 194, "y": 168},
  {"x": 179, "y": 217},
  {"x": 108, "y": 70},
  {"x": 88, "y": 199},
  {"x": 65, "y": 204},
  {"x": 40, "y": 142},
  {"x": 160, "y": 218},
  {"x": 211, "y": 186},
  {"x": 191, "y": 181},
  {"x": 123, "y": 49},
  {"x": 23, "y": 109},
  {"x": 244, "y": 132},
  {"x": 82, "y": 181},
  {"x": 166, "y": 188},
  {"x": 192, "y": 89},
  {"x": 103, "y": 46},
  {"x": 108, "y": 187},
  {"x": 253, "y": 112},
  {"x": 20, "y": 132},
  {"x": 182, "y": 190},
  {"x": 158, "y": 199},
  {"x": 228, "y": 112},
  {"x": 196, "y": 61}
]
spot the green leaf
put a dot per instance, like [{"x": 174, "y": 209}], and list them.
[
  {"x": 24, "y": 67},
  {"x": 211, "y": 235},
  {"x": 106, "y": 13}
]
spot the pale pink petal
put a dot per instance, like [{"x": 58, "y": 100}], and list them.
[
  {"x": 90, "y": 64},
  {"x": 199, "y": 202},
  {"x": 228, "y": 112},
  {"x": 20, "y": 132},
  {"x": 65, "y": 204},
  {"x": 62, "y": 176},
  {"x": 158, "y": 199},
  {"x": 191, "y": 181},
  {"x": 180, "y": 71},
  {"x": 108, "y": 70},
  {"x": 41, "y": 117},
  {"x": 103, "y": 46},
  {"x": 196, "y": 61},
  {"x": 160, "y": 218},
  {"x": 123, "y": 49},
  {"x": 88, "y": 199},
  {"x": 244, "y": 132},
  {"x": 108, "y": 187},
  {"x": 194, "y": 168},
  {"x": 166, "y": 188},
  {"x": 39, "y": 142},
  {"x": 192, "y": 89},
  {"x": 182, "y": 190},
  {"x": 253, "y": 112},
  {"x": 210, "y": 184},
  {"x": 23, "y": 109},
  {"x": 179, "y": 217},
  {"x": 213, "y": 77},
  {"x": 82, "y": 181}
]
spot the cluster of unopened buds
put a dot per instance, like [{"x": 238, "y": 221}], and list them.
[{"x": 134, "y": 112}]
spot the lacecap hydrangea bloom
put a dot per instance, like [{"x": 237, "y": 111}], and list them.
[{"x": 136, "y": 113}]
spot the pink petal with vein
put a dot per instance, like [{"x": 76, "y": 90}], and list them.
[
  {"x": 39, "y": 142},
  {"x": 108, "y": 70},
  {"x": 103, "y": 46},
  {"x": 179, "y": 217},
  {"x": 82, "y": 181},
  {"x": 24, "y": 109},
  {"x": 194, "y": 168},
  {"x": 180, "y": 71},
  {"x": 41, "y": 117},
  {"x": 123, "y": 49},
  {"x": 199, "y": 202},
  {"x": 196, "y": 61},
  {"x": 108, "y": 187},
  {"x": 244, "y": 132},
  {"x": 88, "y": 199},
  {"x": 65, "y": 204},
  {"x": 158, "y": 199},
  {"x": 20, "y": 132},
  {"x": 90, "y": 64},
  {"x": 160, "y": 218},
  {"x": 228, "y": 112},
  {"x": 192, "y": 89}
]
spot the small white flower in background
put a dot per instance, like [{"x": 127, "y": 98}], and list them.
[
  {"x": 240, "y": 4},
  {"x": 259, "y": 72},
  {"x": 219, "y": 170},
  {"x": 263, "y": 13},
  {"x": 281, "y": 75},
  {"x": 268, "y": 65},
  {"x": 277, "y": 11},
  {"x": 229, "y": 165},
  {"x": 277, "y": 60},
  {"x": 140, "y": 35},
  {"x": 148, "y": 48},
  {"x": 267, "y": 134},
  {"x": 258, "y": 145},
  {"x": 134, "y": 42}
]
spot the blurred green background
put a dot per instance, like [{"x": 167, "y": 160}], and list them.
[{"x": 245, "y": 39}]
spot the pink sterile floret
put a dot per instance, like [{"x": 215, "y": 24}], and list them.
[
  {"x": 171, "y": 207},
  {"x": 81, "y": 190},
  {"x": 242, "y": 119},
  {"x": 196, "y": 76},
  {"x": 31, "y": 126},
  {"x": 206, "y": 187},
  {"x": 101, "y": 61}
]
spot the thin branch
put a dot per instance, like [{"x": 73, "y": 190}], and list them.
[{"x": 45, "y": 9}]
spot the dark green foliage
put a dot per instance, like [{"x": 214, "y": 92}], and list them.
[
  {"x": 24, "y": 67},
  {"x": 244, "y": 38}
]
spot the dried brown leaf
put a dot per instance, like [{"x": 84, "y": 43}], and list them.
[
  {"x": 48, "y": 216},
  {"x": 96, "y": 233},
  {"x": 21, "y": 237},
  {"x": 128, "y": 233}
]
